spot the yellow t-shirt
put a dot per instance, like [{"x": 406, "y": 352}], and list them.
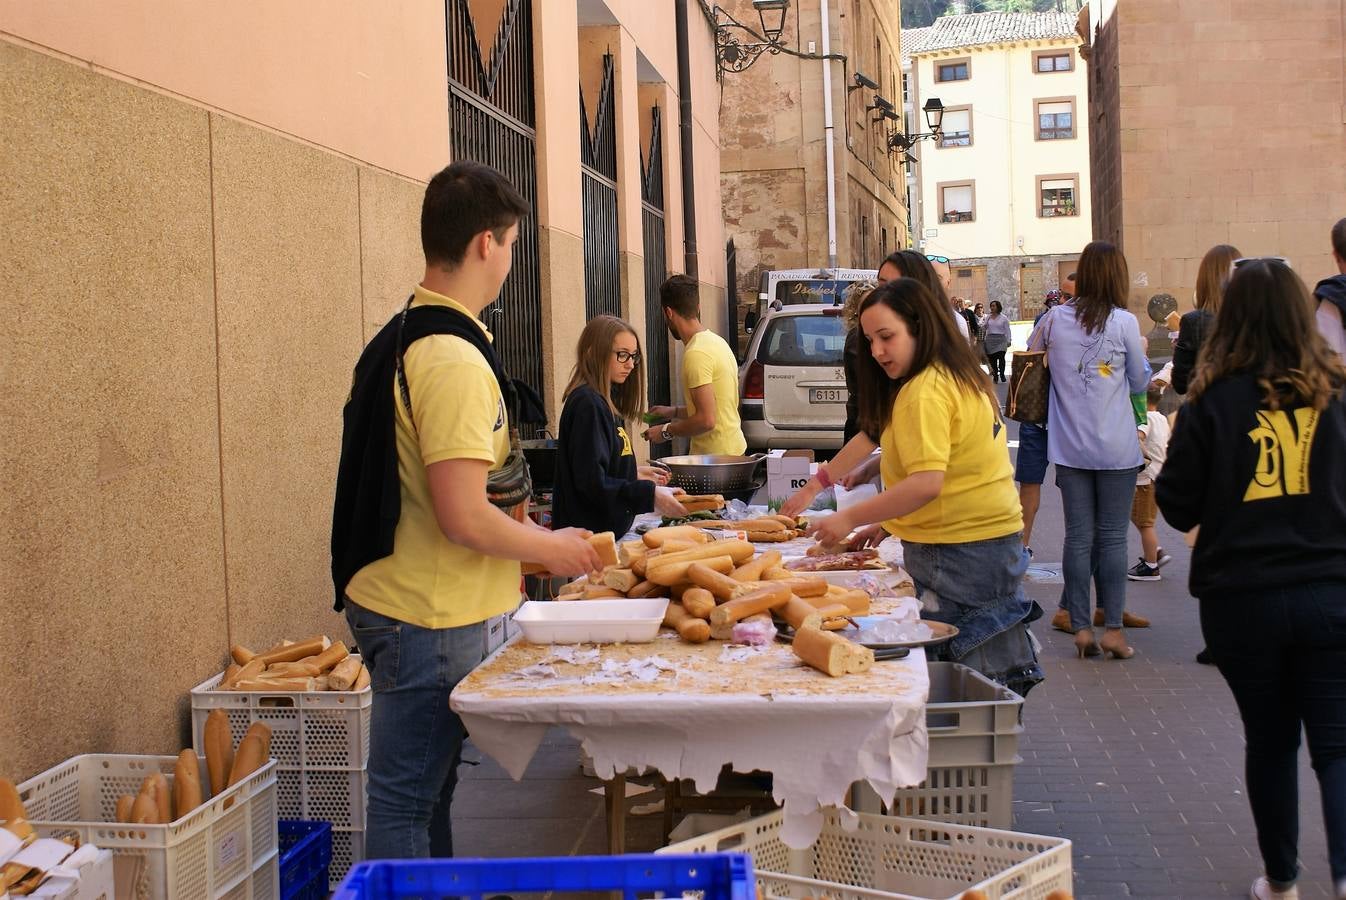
[
  {"x": 708, "y": 360},
  {"x": 939, "y": 426},
  {"x": 428, "y": 580}
]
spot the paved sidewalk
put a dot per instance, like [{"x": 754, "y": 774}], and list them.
[{"x": 1139, "y": 763}]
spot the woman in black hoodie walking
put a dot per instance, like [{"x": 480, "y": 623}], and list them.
[
  {"x": 598, "y": 484},
  {"x": 1256, "y": 461}
]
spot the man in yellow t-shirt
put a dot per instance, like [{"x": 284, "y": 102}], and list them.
[
  {"x": 709, "y": 378},
  {"x": 417, "y": 614}
]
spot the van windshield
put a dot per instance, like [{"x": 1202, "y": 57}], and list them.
[{"x": 803, "y": 341}]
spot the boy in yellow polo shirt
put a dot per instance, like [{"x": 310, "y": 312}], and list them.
[
  {"x": 429, "y": 559},
  {"x": 709, "y": 378}
]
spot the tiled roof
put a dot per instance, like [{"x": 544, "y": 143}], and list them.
[{"x": 979, "y": 29}]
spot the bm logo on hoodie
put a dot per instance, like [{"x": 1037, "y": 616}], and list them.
[{"x": 1283, "y": 446}]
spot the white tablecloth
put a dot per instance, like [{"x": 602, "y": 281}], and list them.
[{"x": 687, "y": 710}]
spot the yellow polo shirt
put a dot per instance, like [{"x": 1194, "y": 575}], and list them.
[
  {"x": 428, "y": 580},
  {"x": 939, "y": 426},
  {"x": 708, "y": 360}
]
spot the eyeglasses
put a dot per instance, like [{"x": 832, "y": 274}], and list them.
[
  {"x": 940, "y": 259},
  {"x": 1267, "y": 259},
  {"x": 626, "y": 356}
]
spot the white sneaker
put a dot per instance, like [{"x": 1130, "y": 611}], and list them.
[
  {"x": 1262, "y": 890},
  {"x": 1164, "y": 558}
]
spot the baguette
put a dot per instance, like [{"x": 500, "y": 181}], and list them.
[
  {"x": 344, "y": 674},
  {"x": 144, "y": 809},
  {"x": 640, "y": 564},
  {"x": 628, "y": 551},
  {"x": 247, "y": 760},
  {"x": 690, "y": 628},
  {"x": 701, "y": 502},
  {"x": 263, "y": 732},
  {"x": 753, "y": 569},
  {"x": 779, "y": 573},
  {"x": 297, "y": 682},
  {"x": 241, "y": 654},
  {"x": 835, "y": 616},
  {"x": 655, "y": 537},
  {"x": 726, "y": 632},
  {"x": 598, "y": 592},
  {"x": 766, "y": 597},
  {"x": 620, "y": 579},
  {"x": 698, "y": 602},
  {"x": 676, "y": 573},
  {"x": 328, "y": 658},
  {"x": 721, "y": 585},
  {"x": 320, "y": 684},
  {"x": 770, "y": 537},
  {"x": 361, "y": 680},
  {"x": 606, "y": 546},
  {"x": 293, "y": 652},
  {"x": 739, "y": 551},
  {"x": 14, "y": 816},
  {"x": 831, "y": 654},
  {"x": 125, "y": 803},
  {"x": 808, "y": 588},
  {"x": 163, "y": 797},
  {"x": 230, "y": 674},
  {"x": 800, "y": 614},
  {"x": 645, "y": 589},
  {"x": 297, "y": 669},
  {"x": 186, "y": 783},
  {"x": 251, "y": 669},
  {"x": 219, "y": 749}
]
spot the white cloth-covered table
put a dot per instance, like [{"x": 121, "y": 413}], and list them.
[{"x": 687, "y": 710}]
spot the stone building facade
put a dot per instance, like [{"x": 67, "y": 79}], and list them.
[
  {"x": 773, "y": 146},
  {"x": 1215, "y": 123}
]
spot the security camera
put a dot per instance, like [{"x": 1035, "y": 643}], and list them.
[
  {"x": 882, "y": 103},
  {"x": 864, "y": 81}
]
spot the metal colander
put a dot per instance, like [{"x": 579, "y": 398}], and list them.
[{"x": 712, "y": 474}]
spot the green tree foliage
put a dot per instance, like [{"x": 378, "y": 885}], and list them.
[{"x": 919, "y": 13}]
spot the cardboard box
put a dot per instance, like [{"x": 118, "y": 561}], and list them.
[{"x": 786, "y": 472}]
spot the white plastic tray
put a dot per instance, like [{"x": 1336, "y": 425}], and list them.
[{"x": 591, "y": 621}]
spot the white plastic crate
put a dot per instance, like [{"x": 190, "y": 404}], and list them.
[
  {"x": 348, "y": 848},
  {"x": 320, "y": 741},
  {"x": 974, "y": 731},
  {"x": 890, "y": 858},
  {"x": 309, "y": 729},
  {"x": 225, "y": 848}
]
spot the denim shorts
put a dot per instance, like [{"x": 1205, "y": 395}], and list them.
[{"x": 1030, "y": 464}]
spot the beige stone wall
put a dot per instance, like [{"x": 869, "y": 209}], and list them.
[
  {"x": 774, "y": 177},
  {"x": 185, "y": 295},
  {"x": 342, "y": 74},
  {"x": 1243, "y": 143}
]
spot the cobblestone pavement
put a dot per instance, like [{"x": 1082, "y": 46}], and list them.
[{"x": 1138, "y": 762}]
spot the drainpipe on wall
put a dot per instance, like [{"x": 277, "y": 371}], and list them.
[
  {"x": 828, "y": 138},
  {"x": 685, "y": 135}
]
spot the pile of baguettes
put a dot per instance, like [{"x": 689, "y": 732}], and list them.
[
  {"x": 714, "y": 584},
  {"x": 316, "y": 664}
]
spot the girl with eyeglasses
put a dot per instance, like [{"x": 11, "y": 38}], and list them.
[
  {"x": 598, "y": 484},
  {"x": 1256, "y": 460}
]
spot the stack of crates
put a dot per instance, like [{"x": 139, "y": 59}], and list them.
[
  {"x": 320, "y": 741},
  {"x": 974, "y": 726}
]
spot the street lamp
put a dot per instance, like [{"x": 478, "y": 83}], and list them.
[
  {"x": 735, "y": 55},
  {"x": 934, "y": 117}
]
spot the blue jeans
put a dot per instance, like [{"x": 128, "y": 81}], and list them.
[
  {"x": 1283, "y": 653},
  {"x": 1097, "y": 505},
  {"x": 415, "y": 740},
  {"x": 978, "y": 587}
]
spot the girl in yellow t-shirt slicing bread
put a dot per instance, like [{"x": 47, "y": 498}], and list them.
[{"x": 950, "y": 495}]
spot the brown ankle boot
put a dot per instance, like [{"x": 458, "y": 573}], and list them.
[{"x": 1061, "y": 621}]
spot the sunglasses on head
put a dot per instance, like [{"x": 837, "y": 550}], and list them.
[
  {"x": 1242, "y": 260},
  {"x": 939, "y": 259}
]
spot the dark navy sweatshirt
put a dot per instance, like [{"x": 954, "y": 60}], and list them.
[{"x": 596, "y": 485}]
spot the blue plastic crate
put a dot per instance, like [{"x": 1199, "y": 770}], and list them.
[
  {"x": 721, "y": 876},
  {"x": 305, "y": 853}
]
